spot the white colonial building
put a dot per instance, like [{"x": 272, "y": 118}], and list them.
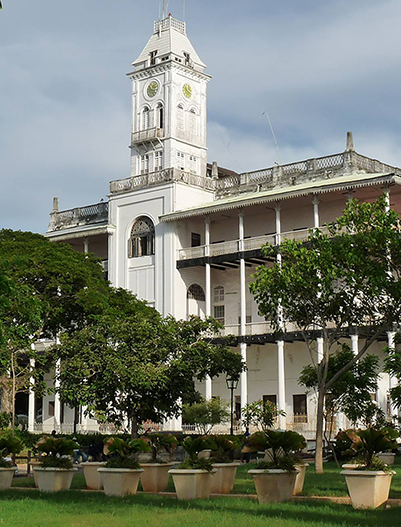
[{"x": 186, "y": 236}]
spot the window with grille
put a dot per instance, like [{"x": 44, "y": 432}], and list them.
[
  {"x": 218, "y": 294},
  {"x": 159, "y": 160},
  {"x": 142, "y": 239},
  {"x": 271, "y": 398},
  {"x": 219, "y": 313},
  {"x": 195, "y": 239},
  {"x": 180, "y": 117},
  {"x": 300, "y": 408},
  {"x": 196, "y": 292},
  {"x": 145, "y": 118}
]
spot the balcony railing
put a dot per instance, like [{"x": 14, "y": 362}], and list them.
[
  {"x": 92, "y": 214},
  {"x": 232, "y": 246},
  {"x": 143, "y": 136},
  {"x": 159, "y": 177}
]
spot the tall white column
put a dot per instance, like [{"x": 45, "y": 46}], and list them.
[
  {"x": 392, "y": 382},
  {"x": 242, "y": 329},
  {"x": 280, "y": 343},
  {"x": 316, "y": 225},
  {"x": 208, "y": 296},
  {"x": 57, "y": 403},
  {"x": 31, "y": 397},
  {"x": 355, "y": 344},
  {"x": 86, "y": 245}
]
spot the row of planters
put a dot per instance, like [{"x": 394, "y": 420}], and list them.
[{"x": 208, "y": 467}]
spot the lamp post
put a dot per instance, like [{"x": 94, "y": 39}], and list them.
[{"x": 232, "y": 384}]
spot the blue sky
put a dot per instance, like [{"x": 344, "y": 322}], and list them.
[{"x": 319, "y": 69}]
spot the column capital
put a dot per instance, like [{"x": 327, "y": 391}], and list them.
[
  {"x": 315, "y": 200},
  {"x": 277, "y": 205}
]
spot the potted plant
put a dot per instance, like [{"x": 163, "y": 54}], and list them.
[
  {"x": 369, "y": 483},
  {"x": 95, "y": 461},
  {"x": 120, "y": 474},
  {"x": 221, "y": 457},
  {"x": 275, "y": 477},
  {"x": 56, "y": 470},
  {"x": 194, "y": 477},
  {"x": 9, "y": 446},
  {"x": 155, "y": 476}
]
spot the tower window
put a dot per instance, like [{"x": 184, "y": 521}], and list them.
[
  {"x": 159, "y": 160},
  {"x": 180, "y": 117},
  {"x": 193, "y": 122},
  {"x": 181, "y": 160},
  {"x": 153, "y": 57},
  {"x": 187, "y": 57},
  {"x": 192, "y": 164},
  {"x": 142, "y": 239},
  {"x": 145, "y": 164},
  {"x": 159, "y": 116},
  {"x": 145, "y": 118}
]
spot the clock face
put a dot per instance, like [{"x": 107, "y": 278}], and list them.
[
  {"x": 152, "y": 89},
  {"x": 187, "y": 90}
]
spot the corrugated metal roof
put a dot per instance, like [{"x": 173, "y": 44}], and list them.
[{"x": 278, "y": 194}]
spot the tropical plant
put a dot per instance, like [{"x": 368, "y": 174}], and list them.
[
  {"x": 261, "y": 414},
  {"x": 161, "y": 443},
  {"x": 56, "y": 451},
  {"x": 205, "y": 414},
  {"x": 9, "y": 446},
  {"x": 192, "y": 447},
  {"x": 280, "y": 446},
  {"x": 367, "y": 443},
  {"x": 222, "y": 448},
  {"x": 347, "y": 276},
  {"x": 123, "y": 453}
]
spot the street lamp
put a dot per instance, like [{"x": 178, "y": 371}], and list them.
[{"x": 232, "y": 384}]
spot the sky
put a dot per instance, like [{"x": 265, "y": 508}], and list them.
[{"x": 319, "y": 68}]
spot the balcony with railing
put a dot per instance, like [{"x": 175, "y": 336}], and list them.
[
  {"x": 234, "y": 246},
  {"x": 145, "y": 136},
  {"x": 79, "y": 216}
]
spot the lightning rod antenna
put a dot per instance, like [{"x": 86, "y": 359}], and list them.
[{"x": 274, "y": 135}]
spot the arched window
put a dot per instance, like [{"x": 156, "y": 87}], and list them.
[
  {"x": 142, "y": 239},
  {"x": 193, "y": 129},
  {"x": 180, "y": 117},
  {"x": 218, "y": 294},
  {"x": 196, "y": 292},
  {"x": 159, "y": 116},
  {"x": 145, "y": 118}
]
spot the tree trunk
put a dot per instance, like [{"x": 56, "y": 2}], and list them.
[
  {"x": 134, "y": 426},
  {"x": 6, "y": 399},
  {"x": 319, "y": 433}
]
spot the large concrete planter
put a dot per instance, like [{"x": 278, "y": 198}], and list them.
[
  {"x": 51, "y": 479},
  {"x": 300, "y": 478},
  {"x": 273, "y": 485},
  {"x": 192, "y": 484},
  {"x": 386, "y": 457},
  {"x": 35, "y": 476},
  {"x": 6, "y": 477},
  {"x": 119, "y": 481},
  {"x": 155, "y": 476},
  {"x": 92, "y": 476},
  {"x": 223, "y": 480},
  {"x": 368, "y": 489}
]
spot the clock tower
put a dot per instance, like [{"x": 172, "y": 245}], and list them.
[{"x": 168, "y": 104}]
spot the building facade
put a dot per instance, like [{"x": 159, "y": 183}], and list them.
[{"x": 186, "y": 236}]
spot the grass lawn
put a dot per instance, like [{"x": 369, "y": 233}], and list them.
[{"x": 25, "y": 508}]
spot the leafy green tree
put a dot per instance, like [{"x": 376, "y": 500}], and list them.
[
  {"x": 349, "y": 276},
  {"x": 261, "y": 414},
  {"x": 392, "y": 365},
  {"x": 50, "y": 289},
  {"x": 132, "y": 365},
  {"x": 351, "y": 393},
  {"x": 206, "y": 414}
]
